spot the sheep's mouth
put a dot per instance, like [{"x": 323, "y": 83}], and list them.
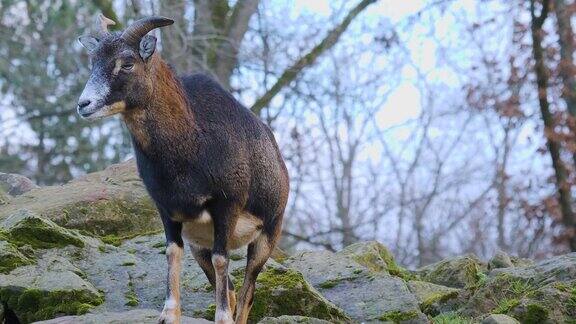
[{"x": 104, "y": 111}]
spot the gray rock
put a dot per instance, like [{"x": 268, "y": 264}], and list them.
[
  {"x": 499, "y": 319},
  {"x": 559, "y": 268},
  {"x": 15, "y": 184},
  {"x": 28, "y": 228},
  {"x": 363, "y": 294},
  {"x": 500, "y": 260},
  {"x": 53, "y": 286},
  {"x": 288, "y": 319},
  {"x": 457, "y": 272},
  {"x": 113, "y": 201},
  {"x": 137, "y": 316},
  {"x": 433, "y": 298}
]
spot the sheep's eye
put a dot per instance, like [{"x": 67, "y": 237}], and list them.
[{"x": 127, "y": 66}]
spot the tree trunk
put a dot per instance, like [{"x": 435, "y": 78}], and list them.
[
  {"x": 567, "y": 68},
  {"x": 561, "y": 174}
]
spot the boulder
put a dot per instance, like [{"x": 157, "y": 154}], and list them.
[
  {"x": 364, "y": 292},
  {"x": 500, "y": 260},
  {"x": 433, "y": 298},
  {"x": 15, "y": 184},
  {"x": 137, "y": 316},
  {"x": 545, "y": 291},
  {"x": 457, "y": 272},
  {"x": 499, "y": 319},
  {"x": 25, "y": 227},
  {"x": 46, "y": 290},
  {"x": 4, "y": 198},
  {"x": 376, "y": 257},
  {"x": 110, "y": 202},
  {"x": 287, "y": 319}
]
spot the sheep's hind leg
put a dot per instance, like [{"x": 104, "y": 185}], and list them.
[
  {"x": 204, "y": 258},
  {"x": 258, "y": 253},
  {"x": 224, "y": 217}
]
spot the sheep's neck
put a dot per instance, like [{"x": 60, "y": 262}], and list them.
[{"x": 165, "y": 119}]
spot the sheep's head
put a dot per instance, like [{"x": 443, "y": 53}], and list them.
[{"x": 120, "y": 66}]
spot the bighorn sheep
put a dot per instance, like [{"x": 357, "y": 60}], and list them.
[{"x": 211, "y": 166}]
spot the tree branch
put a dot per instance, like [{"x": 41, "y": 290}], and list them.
[{"x": 292, "y": 72}]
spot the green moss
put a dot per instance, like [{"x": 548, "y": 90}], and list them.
[
  {"x": 451, "y": 318},
  {"x": 130, "y": 295},
  {"x": 112, "y": 239},
  {"x": 131, "y": 251},
  {"x": 329, "y": 284},
  {"x": 506, "y": 305},
  {"x": 210, "y": 312},
  {"x": 121, "y": 217},
  {"x": 474, "y": 277},
  {"x": 427, "y": 305},
  {"x": 102, "y": 248},
  {"x": 11, "y": 258},
  {"x": 236, "y": 257},
  {"x": 534, "y": 314},
  {"x": 43, "y": 234},
  {"x": 159, "y": 245},
  {"x": 132, "y": 299},
  {"x": 35, "y": 305},
  {"x": 128, "y": 264},
  {"x": 281, "y": 291},
  {"x": 397, "y": 316},
  {"x": 379, "y": 259}
]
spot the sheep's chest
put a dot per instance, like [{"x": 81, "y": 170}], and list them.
[{"x": 200, "y": 230}]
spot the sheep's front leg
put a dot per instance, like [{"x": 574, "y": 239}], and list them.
[{"x": 174, "y": 251}]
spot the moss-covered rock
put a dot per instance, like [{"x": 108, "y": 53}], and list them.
[
  {"x": 284, "y": 291},
  {"x": 46, "y": 290},
  {"x": 364, "y": 294},
  {"x": 113, "y": 201},
  {"x": 375, "y": 257},
  {"x": 11, "y": 258},
  {"x": 24, "y": 227},
  {"x": 4, "y": 198},
  {"x": 499, "y": 319},
  {"x": 458, "y": 272},
  {"x": 137, "y": 316},
  {"x": 544, "y": 292},
  {"x": 15, "y": 184},
  {"x": 500, "y": 260},
  {"x": 452, "y": 318},
  {"x": 433, "y": 298},
  {"x": 288, "y": 319}
]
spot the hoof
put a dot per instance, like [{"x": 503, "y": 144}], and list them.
[{"x": 169, "y": 316}]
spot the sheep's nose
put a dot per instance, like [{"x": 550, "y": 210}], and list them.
[{"x": 83, "y": 104}]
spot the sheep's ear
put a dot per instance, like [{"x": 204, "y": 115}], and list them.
[
  {"x": 147, "y": 46},
  {"x": 89, "y": 42}
]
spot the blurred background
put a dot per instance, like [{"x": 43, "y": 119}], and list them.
[{"x": 437, "y": 127}]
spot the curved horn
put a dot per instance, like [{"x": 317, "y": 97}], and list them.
[
  {"x": 102, "y": 25},
  {"x": 134, "y": 33}
]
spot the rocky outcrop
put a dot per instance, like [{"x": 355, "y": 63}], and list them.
[
  {"x": 110, "y": 202},
  {"x": 137, "y": 316},
  {"x": 89, "y": 252},
  {"x": 15, "y": 184}
]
